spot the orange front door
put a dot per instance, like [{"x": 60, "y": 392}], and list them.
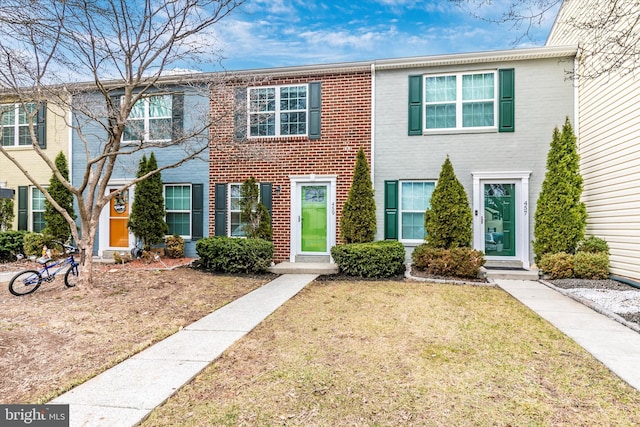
[{"x": 118, "y": 218}]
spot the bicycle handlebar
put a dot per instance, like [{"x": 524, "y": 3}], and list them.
[{"x": 68, "y": 248}]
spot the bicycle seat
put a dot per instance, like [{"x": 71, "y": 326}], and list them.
[{"x": 43, "y": 260}]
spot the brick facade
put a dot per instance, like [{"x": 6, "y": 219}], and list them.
[{"x": 345, "y": 127}]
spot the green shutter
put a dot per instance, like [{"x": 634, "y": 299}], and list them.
[
  {"x": 265, "y": 196},
  {"x": 507, "y": 104},
  {"x": 315, "y": 96},
  {"x": 240, "y": 114},
  {"x": 197, "y": 217},
  {"x": 391, "y": 210},
  {"x": 177, "y": 119},
  {"x": 41, "y": 125},
  {"x": 221, "y": 210},
  {"x": 415, "y": 105},
  {"x": 23, "y": 208}
]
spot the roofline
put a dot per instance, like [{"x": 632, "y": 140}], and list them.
[
  {"x": 348, "y": 67},
  {"x": 479, "y": 57}
]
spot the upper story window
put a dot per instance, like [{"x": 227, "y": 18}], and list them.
[
  {"x": 278, "y": 111},
  {"x": 150, "y": 120},
  {"x": 460, "y": 101},
  {"x": 15, "y": 123}
]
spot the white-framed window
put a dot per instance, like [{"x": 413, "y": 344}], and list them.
[
  {"x": 37, "y": 210},
  {"x": 150, "y": 120},
  {"x": 234, "y": 211},
  {"x": 15, "y": 123},
  {"x": 278, "y": 111},
  {"x": 415, "y": 199},
  {"x": 177, "y": 200},
  {"x": 461, "y": 101}
]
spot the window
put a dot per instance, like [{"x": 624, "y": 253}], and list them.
[
  {"x": 278, "y": 111},
  {"x": 150, "y": 120},
  {"x": 236, "y": 225},
  {"x": 235, "y": 211},
  {"x": 37, "y": 210},
  {"x": 415, "y": 198},
  {"x": 460, "y": 101},
  {"x": 15, "y": 124},
  {"x": 177, "y": 199}
]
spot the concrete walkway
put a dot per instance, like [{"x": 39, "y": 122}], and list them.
[
  {"x": 125, "y": 394},
  {"x": 612, "y": 343}
]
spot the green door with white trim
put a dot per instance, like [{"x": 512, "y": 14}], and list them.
[
  {"x": 499, "y": 219},
  {"x": 313, "y": 205}
]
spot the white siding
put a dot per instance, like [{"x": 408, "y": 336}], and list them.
[{"x": 609, "y": 141}]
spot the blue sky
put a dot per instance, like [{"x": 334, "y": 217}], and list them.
[{"x": 274, "y": 33}]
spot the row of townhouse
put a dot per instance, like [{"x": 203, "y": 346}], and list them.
[{"x": 297, "y": 130}]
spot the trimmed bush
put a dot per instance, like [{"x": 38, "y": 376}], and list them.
[
  {"x": 233, "y": 255},
  {"x": 593, "y": 244},
  {"x": 358, "y": 220},
  {"x": 11, "y": 244},
  {"x": 34, "y": 242},
  {"x": 557, "y": 266},
  {"x": 457, "y": 262},
  {"x": 174, "y": 245},
  {"x": 371, "y": 260},
  {"x": 591, "y": 265}
]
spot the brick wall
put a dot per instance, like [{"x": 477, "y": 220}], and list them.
[{"x": 345, "y": 127}]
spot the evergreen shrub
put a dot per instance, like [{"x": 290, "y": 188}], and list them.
[
  {"x": 358, "y": 220},
  {"x": 457, "y": 262},
  {"x": 448, "y": 221},
  {"x": 11, "y": 244},
  {"x": 57, "y": 226},
  {"x": 233, "y": 255},
  {"x": 34, "y": 242},
  {"x": 557, "y": 265},
  {"x": 560, "y": 217},
  {"x": 371, "y": 260},
  {"x": 593, "y": 244},
  {"x": 174, "y": 246},
  {"x": 591, "y": 265}
]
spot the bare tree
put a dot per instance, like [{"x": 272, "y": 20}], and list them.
[
  {"x": 124, "y": 49},
  {"x": 606, "y": 31}
]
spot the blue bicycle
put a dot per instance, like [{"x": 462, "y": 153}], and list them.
[{"x": 28, "y": 281}]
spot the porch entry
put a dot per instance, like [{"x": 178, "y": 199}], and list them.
[
  {"x": 312, "y": 217},
  {"x": 501, "y": 216}
]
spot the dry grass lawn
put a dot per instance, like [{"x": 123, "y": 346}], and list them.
[
  {"x": 400, "y": 353},
  {"x": 57, "y": 337}
]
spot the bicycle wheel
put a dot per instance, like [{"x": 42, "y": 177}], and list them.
[
  {"x": 71, "y": 276},
  {"x": 25, "y": 282}
]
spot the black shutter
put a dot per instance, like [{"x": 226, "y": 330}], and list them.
[
  {"x": 315, "y": 103},
  {"x": 23, "y": 208},
  {"x": 265, "y": 196},
  {"x": 240, "y": 108},
  {"x": 177, "y": 116},
  {"x": 415, "y": 105},
  {"x": 221, "y": 210},
  {"x": 41, "y": 125},
  {"x": 197, "y": 217},
  {"x": 507, "y": 96},
  {"x": 391, "y": 210}
]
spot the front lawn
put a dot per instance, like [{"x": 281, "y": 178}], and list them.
[{"x": 396, "y": 353}]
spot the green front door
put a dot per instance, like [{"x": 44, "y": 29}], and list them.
[
  {"x": 499, "y": 220},
  {"x": 314, "y": 218}
]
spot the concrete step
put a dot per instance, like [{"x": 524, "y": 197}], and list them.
[
  {"x": 304, "y": 268},
  {"x": 506, "y": 274}
]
